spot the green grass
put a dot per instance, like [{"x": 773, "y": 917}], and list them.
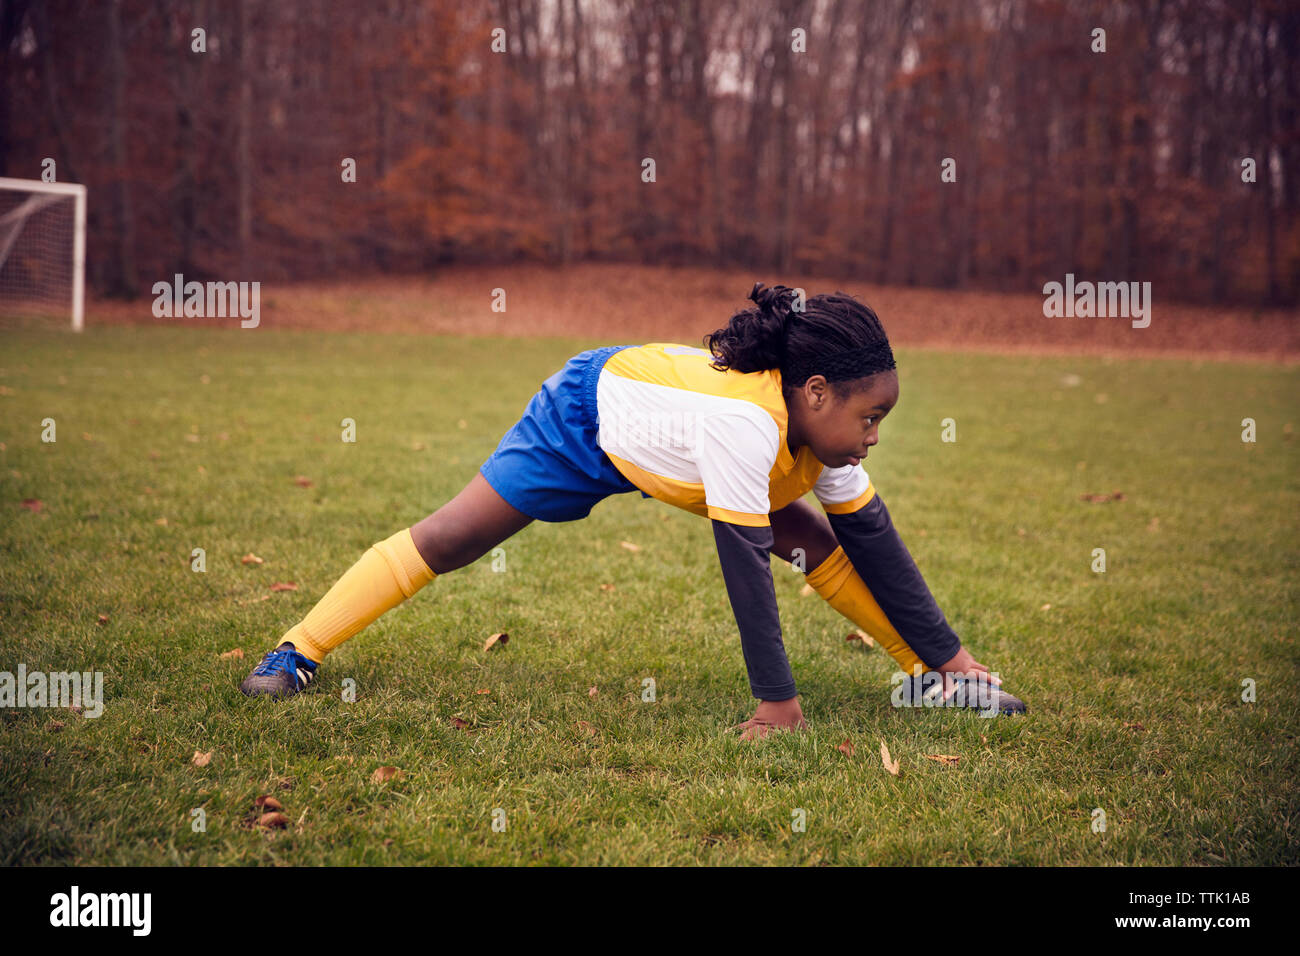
[{"x": 1189, "y": 606}]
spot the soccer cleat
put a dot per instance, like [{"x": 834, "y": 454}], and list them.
[
  {"x": 969, "y": 694},
  {"x": 281, "y": 673}
]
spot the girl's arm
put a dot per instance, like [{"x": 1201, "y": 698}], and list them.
[
  {"x": 747, "y": 570},
  {"x": 883, "y": 562}
]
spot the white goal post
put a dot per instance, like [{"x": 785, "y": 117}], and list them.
[{"x": 43, "y": 248}]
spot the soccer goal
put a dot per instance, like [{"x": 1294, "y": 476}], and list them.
[{"x": 42, "y": 250}]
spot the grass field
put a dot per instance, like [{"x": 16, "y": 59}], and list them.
[{"x": 1133, "y": 677}]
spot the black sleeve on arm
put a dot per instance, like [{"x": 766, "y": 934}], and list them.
[
  {"x": 747, "y": 570},
  {"x": 885, "y": 565}
]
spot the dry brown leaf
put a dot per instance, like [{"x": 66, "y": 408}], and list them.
[
  {"x": 495, "y": 639},
  {"x": 267, "y": 803},
  {"x": 1113, "y": 496},
  {"x": 459, "y": 723},
  {"x": 1045, "y": 607},
  {"x": 237, "y": 654},
  {"x": 630, "y": 546},
  {"x": 386, "y": 773},
  {"x": 948, "y": 760},
  {"x": 607, "y": 587},
  {"x": 277, "y": 821},
  {"x": 33, "y": 504},
  {"x": 587, "y": 728},
  {"x": 592, "y": 692},
  {"x": 889, "y": 764},
  {"x": 302, "y": 481},
  {"x": 162, "y": 522},
  {"x": 284, "y": 586},
  {"x": 483, "y": 690},
  {"x": 251, "y": 558},
  {"x": 56, "y": 726},
  {"x": 846, "y": 748},
  {"x": 201, "y": 759},
  {"x": 1134, "y": 726},
  {"x": 983, "y": 739},
  {"x": 103, "y": 619}
]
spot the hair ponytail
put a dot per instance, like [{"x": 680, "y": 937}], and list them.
[{"x": 754, "y": 339}]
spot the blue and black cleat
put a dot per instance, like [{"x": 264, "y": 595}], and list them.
[{"x": 282, "y": 673}]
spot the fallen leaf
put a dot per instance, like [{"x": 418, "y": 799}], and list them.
[
  {"x": 630, "y": 546},
  {"x": 607, "y": 587},
  {"x": 33, "y": 504},
  {"x": 162, "y": 522},
  {"x": 103, "y": 619},
  {"x": 87, "y": 436},
  {"x": 1045, "y": 607},
  {"x": 948, "y": 760},
  {"x": 1113, "y": 496},
  {"x": 251, "y": 558},
  {"x": 56, "y": 726},
  {"x": 386, "y": 773},
  {"x": 277, "y": 821},
  {"x": 890, "y": 764},
  {"x": 237, "y": 654},
  {"x": 492, "y": 641},
  {"x": 460, "y": 724},
  {"x": 302, "y": 481},
  {"x": 1134, "y": 726},
  {"x": 983, "y": 739},
  {"x": 201, "y": 759},
  {"x": 483, "y": 690},
  {"x": 267, "y": 803},
  {"x": 592, "y": 692},
  {"x": 846, "y": 748},
  {"x": 587, "y": 728},
  {"x": 284, "y": 586}
]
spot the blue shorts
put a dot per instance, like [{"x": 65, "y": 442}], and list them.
[{"x": 549, "y": 465}]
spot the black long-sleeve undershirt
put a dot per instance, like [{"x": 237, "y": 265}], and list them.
[
  {"x": 747, "y": 570},
  {"x": 883, "y": 562}
]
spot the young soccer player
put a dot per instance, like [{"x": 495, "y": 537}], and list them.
[{"x": 783, "y": 402}]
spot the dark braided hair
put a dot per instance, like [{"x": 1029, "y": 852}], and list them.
[{"x": 835, "y": 336}]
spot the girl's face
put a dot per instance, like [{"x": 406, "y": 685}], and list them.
[{"x": 841, "y": 432}]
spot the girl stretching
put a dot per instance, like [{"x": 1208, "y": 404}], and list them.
[{"x": 784, "y": 401}]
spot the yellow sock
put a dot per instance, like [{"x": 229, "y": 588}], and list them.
[
  {"x": 836, "y": 580},
  {"x": 385, "y": 576}
]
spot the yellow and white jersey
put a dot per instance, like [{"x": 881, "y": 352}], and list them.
[{"x": 712, "y": 442}]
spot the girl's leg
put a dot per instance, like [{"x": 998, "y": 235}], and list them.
[
  {"x": 392, "y": 570},
  {"x": 832, "y": 575}
]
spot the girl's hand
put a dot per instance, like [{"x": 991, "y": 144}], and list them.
[
  {"x": 963, "y": 663},
  {"x": 772, "y": 714}
]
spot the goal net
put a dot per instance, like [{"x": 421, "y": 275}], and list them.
[{"x": 42, "y": 251}]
